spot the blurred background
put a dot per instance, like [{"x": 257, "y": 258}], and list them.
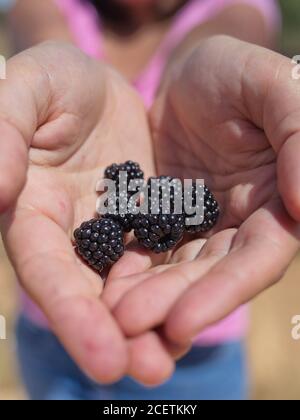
[{"x": 273, "y": 356}]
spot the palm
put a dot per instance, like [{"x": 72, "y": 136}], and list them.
[
  {"x": 61, "y": 184},
  {"x": 215, "y": 119},
  {"x": 232, "y": 155}
]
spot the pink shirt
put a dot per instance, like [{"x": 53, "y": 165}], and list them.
[{"x": 85, "y": 25}]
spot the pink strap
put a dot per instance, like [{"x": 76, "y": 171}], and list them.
[
  {"x": 85, "y": 25},
  {"x": 195, "y": 13},
  {"x": 86, "y": 28}
]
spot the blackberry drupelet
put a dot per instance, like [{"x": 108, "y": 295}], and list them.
[
  {"x": 124, "y": 220},
  {"x": 100, "y": 243},
  {"x": 160, "y": 232},
  {"x": 132, "y": 168},
  {"x": 211, "y": 212},
  {"x": 134, "y": 171}
]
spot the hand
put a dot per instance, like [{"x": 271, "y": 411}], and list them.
[
  {"x": 63, "y": 119},
  {"x": 230, "y": 115}
]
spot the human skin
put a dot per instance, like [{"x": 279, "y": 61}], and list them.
[
  {"x": 230, "y": 115},
  {"x": 62, "y": 120},
  {"x": 243, "y": 133},
  {"x": 116, "y": 355},
  {"x": 254, "y": 177}
]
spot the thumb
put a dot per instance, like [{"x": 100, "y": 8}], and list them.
[
  {"x": 281, "y": 122},
  {"x": 19, "y": 110},
  {"x": 289, "y": 175},
  {"x": 283, "y": 130}
]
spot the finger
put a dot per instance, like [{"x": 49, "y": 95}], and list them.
[
  {"x": 115, "y": 289},
  {"x": 136, "y": 260},
  {"x": 289, "y": 174},
  {"x": 262, "y": 250},
  {"x": 133, "y": 268},
  {"x": 175, "y": 350},
  {"x": 49, "y": 271},
  {"x": 147, "y": 305},
  {"x": 150, "y": 363},
  {"x": 188, "y": 252},
  {"x": 18, "y": 120}
]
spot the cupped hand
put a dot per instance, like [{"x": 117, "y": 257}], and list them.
[
  {"x": 63, "y": 119},
  {"x": 229, "y": 115}
]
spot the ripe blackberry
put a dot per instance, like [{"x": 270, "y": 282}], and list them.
[
  {"x": 167, "y": 190},
  {"x": 211, "y": 212},
  {"x": 100, "y": 243},
  {"x": 132, "y": 168},
  {"x": 159, "y": 233},
  {"x": 122, "y": 216},
  {"x": 124, "y": 220}
]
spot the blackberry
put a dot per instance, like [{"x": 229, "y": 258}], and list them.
[
  {"x": 100, "y": 243},
  {"x": 124, "y": 220},
  {"x": 211, "y": 212},
  {"x": 159, "y": 233},
  {"x": 122, "y": 216},
  {"x": 132, "y": 168},
  {"x": 168, "y": 189}
]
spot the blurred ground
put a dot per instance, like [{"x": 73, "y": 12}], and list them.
[
  {"x": 9, "y": 385},
  {"x": 274, "y": 357}
]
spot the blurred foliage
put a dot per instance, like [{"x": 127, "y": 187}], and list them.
[{"x": 290, "y": 41}]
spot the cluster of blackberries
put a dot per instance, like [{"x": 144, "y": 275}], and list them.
[{"x": 100, "y": 242}]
